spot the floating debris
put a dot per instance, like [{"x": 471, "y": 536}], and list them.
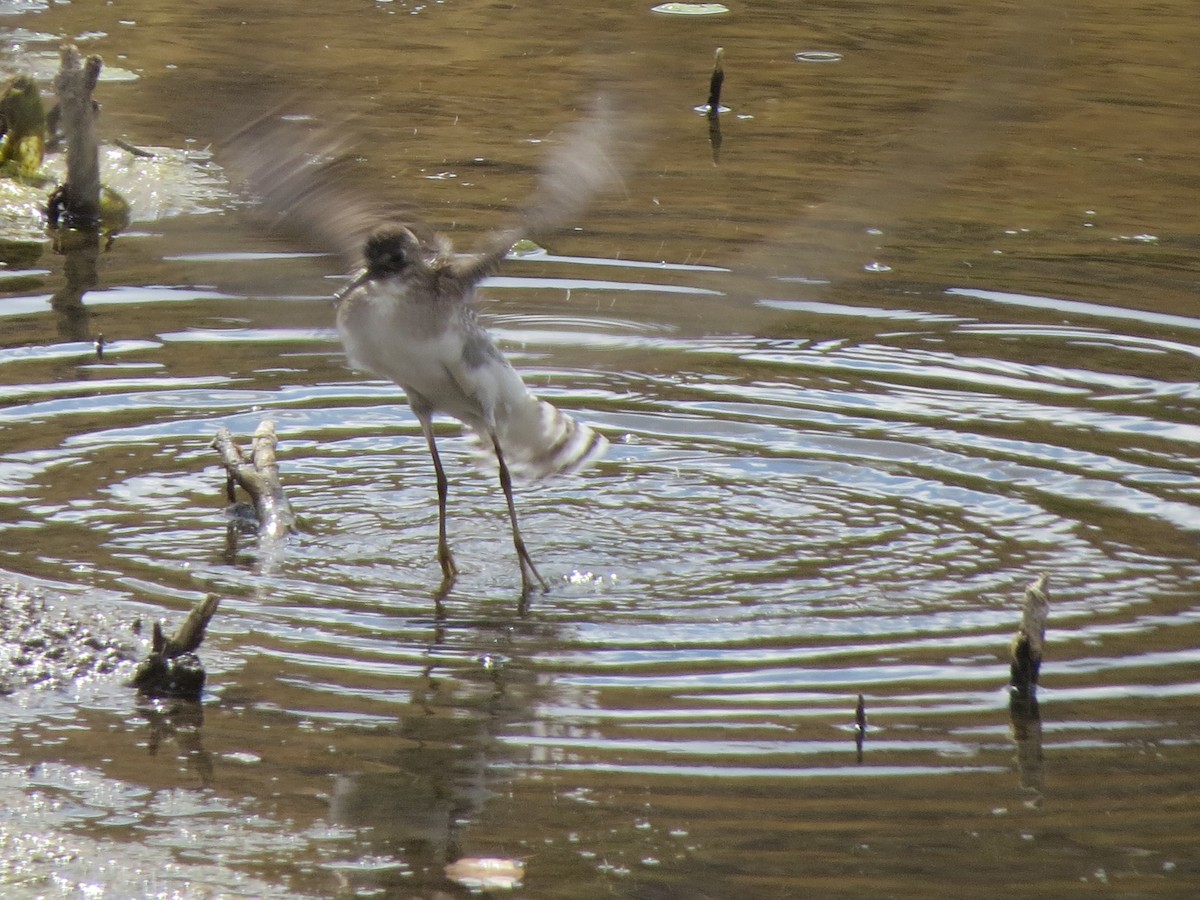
[
  {"x": 690, "y": 9},
  {"x": 525, "y": 248},
  {"x": 49, "y": 646},
  {"x": 712, "y": 107},
  {"x": 716, "y": 81},
  {"x": 22, "y": 129},
  {"x": 486, "y": 873},
  {"x": 819, "y": 56}
]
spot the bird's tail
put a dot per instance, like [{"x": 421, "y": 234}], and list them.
[{"x": 538, "y": 442}]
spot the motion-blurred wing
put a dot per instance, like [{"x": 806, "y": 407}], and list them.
[
  {"x": 306, "y": 184},
  {"x": 585, "y": 163},
  {"x": 313, "y": 191}
]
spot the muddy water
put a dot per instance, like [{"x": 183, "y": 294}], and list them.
[{"x": 926, "y": 328}]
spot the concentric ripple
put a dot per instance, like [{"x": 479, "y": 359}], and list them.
[{"x": 847, "y": 499}]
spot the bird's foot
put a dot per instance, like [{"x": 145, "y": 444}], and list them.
[
  {"x": 449, "y": 571},
  {"x": 531, "y": 578}
]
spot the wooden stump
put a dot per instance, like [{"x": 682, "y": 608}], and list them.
[
  {"x": 77, "y": 202},
  {"x": 172, "y": 670}
]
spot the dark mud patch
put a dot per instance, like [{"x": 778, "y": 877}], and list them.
[
  {"x": 70, "y": 829},
  {"x": 43, "y": 642}
]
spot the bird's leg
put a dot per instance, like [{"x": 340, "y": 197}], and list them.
[
  {"x": 527, "y": 566},
  {"x": 445, "y": 557}
]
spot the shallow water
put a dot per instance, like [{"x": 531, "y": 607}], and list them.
[{"x": 925, "y": 329}]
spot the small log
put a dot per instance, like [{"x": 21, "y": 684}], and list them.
[
  {"x": 1029, "y": 641},
  {"x": 259, "y": 478},
  {"x": 77, "y": 201}
]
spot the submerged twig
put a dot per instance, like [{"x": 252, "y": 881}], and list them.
[{"x": 135, "y": 151}]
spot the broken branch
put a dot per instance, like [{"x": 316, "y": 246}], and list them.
[{"x": 258, "y": 477}]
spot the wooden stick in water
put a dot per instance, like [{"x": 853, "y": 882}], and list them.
[
  {"x": 78, "y": 199},
  {"x": 716, "y": 81},
  {"x": 713, "y": 105},
  {"x": 1029, "y": 641},
  {"x": 259, "y": 478},
  {"x": 860, "y": 726}
]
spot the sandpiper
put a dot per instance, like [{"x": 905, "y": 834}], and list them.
[
  {"x": 408, "y": 312},
  {"x": 408, "y": 316}
]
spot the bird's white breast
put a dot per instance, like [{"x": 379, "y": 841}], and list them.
[{"x": 424, "y": 349}]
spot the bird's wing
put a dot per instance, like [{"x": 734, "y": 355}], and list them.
[
  {"x": 314, "y": 191},
  {"x": 306, "y": 183},
  {"x": 588, "y": 160}
]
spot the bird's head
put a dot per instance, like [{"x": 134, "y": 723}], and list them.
[{"x": 390, "y": 250}]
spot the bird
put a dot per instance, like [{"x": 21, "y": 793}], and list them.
[{"x": 408, "y": 311}]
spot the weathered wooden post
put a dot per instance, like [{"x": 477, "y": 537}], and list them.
[
  {"x": 77, "y": 201},
  {"x": 1029, "y": 641}
]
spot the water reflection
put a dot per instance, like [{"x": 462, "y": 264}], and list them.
[
  {"x": 179, "y": 726},
  {"x": 1027, "y": 735},
  {"x": 79, "y": 271},
  {"x": 439, "y": 776}
]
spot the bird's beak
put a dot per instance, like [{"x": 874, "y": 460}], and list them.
[{"x": 359, "y": 278}]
